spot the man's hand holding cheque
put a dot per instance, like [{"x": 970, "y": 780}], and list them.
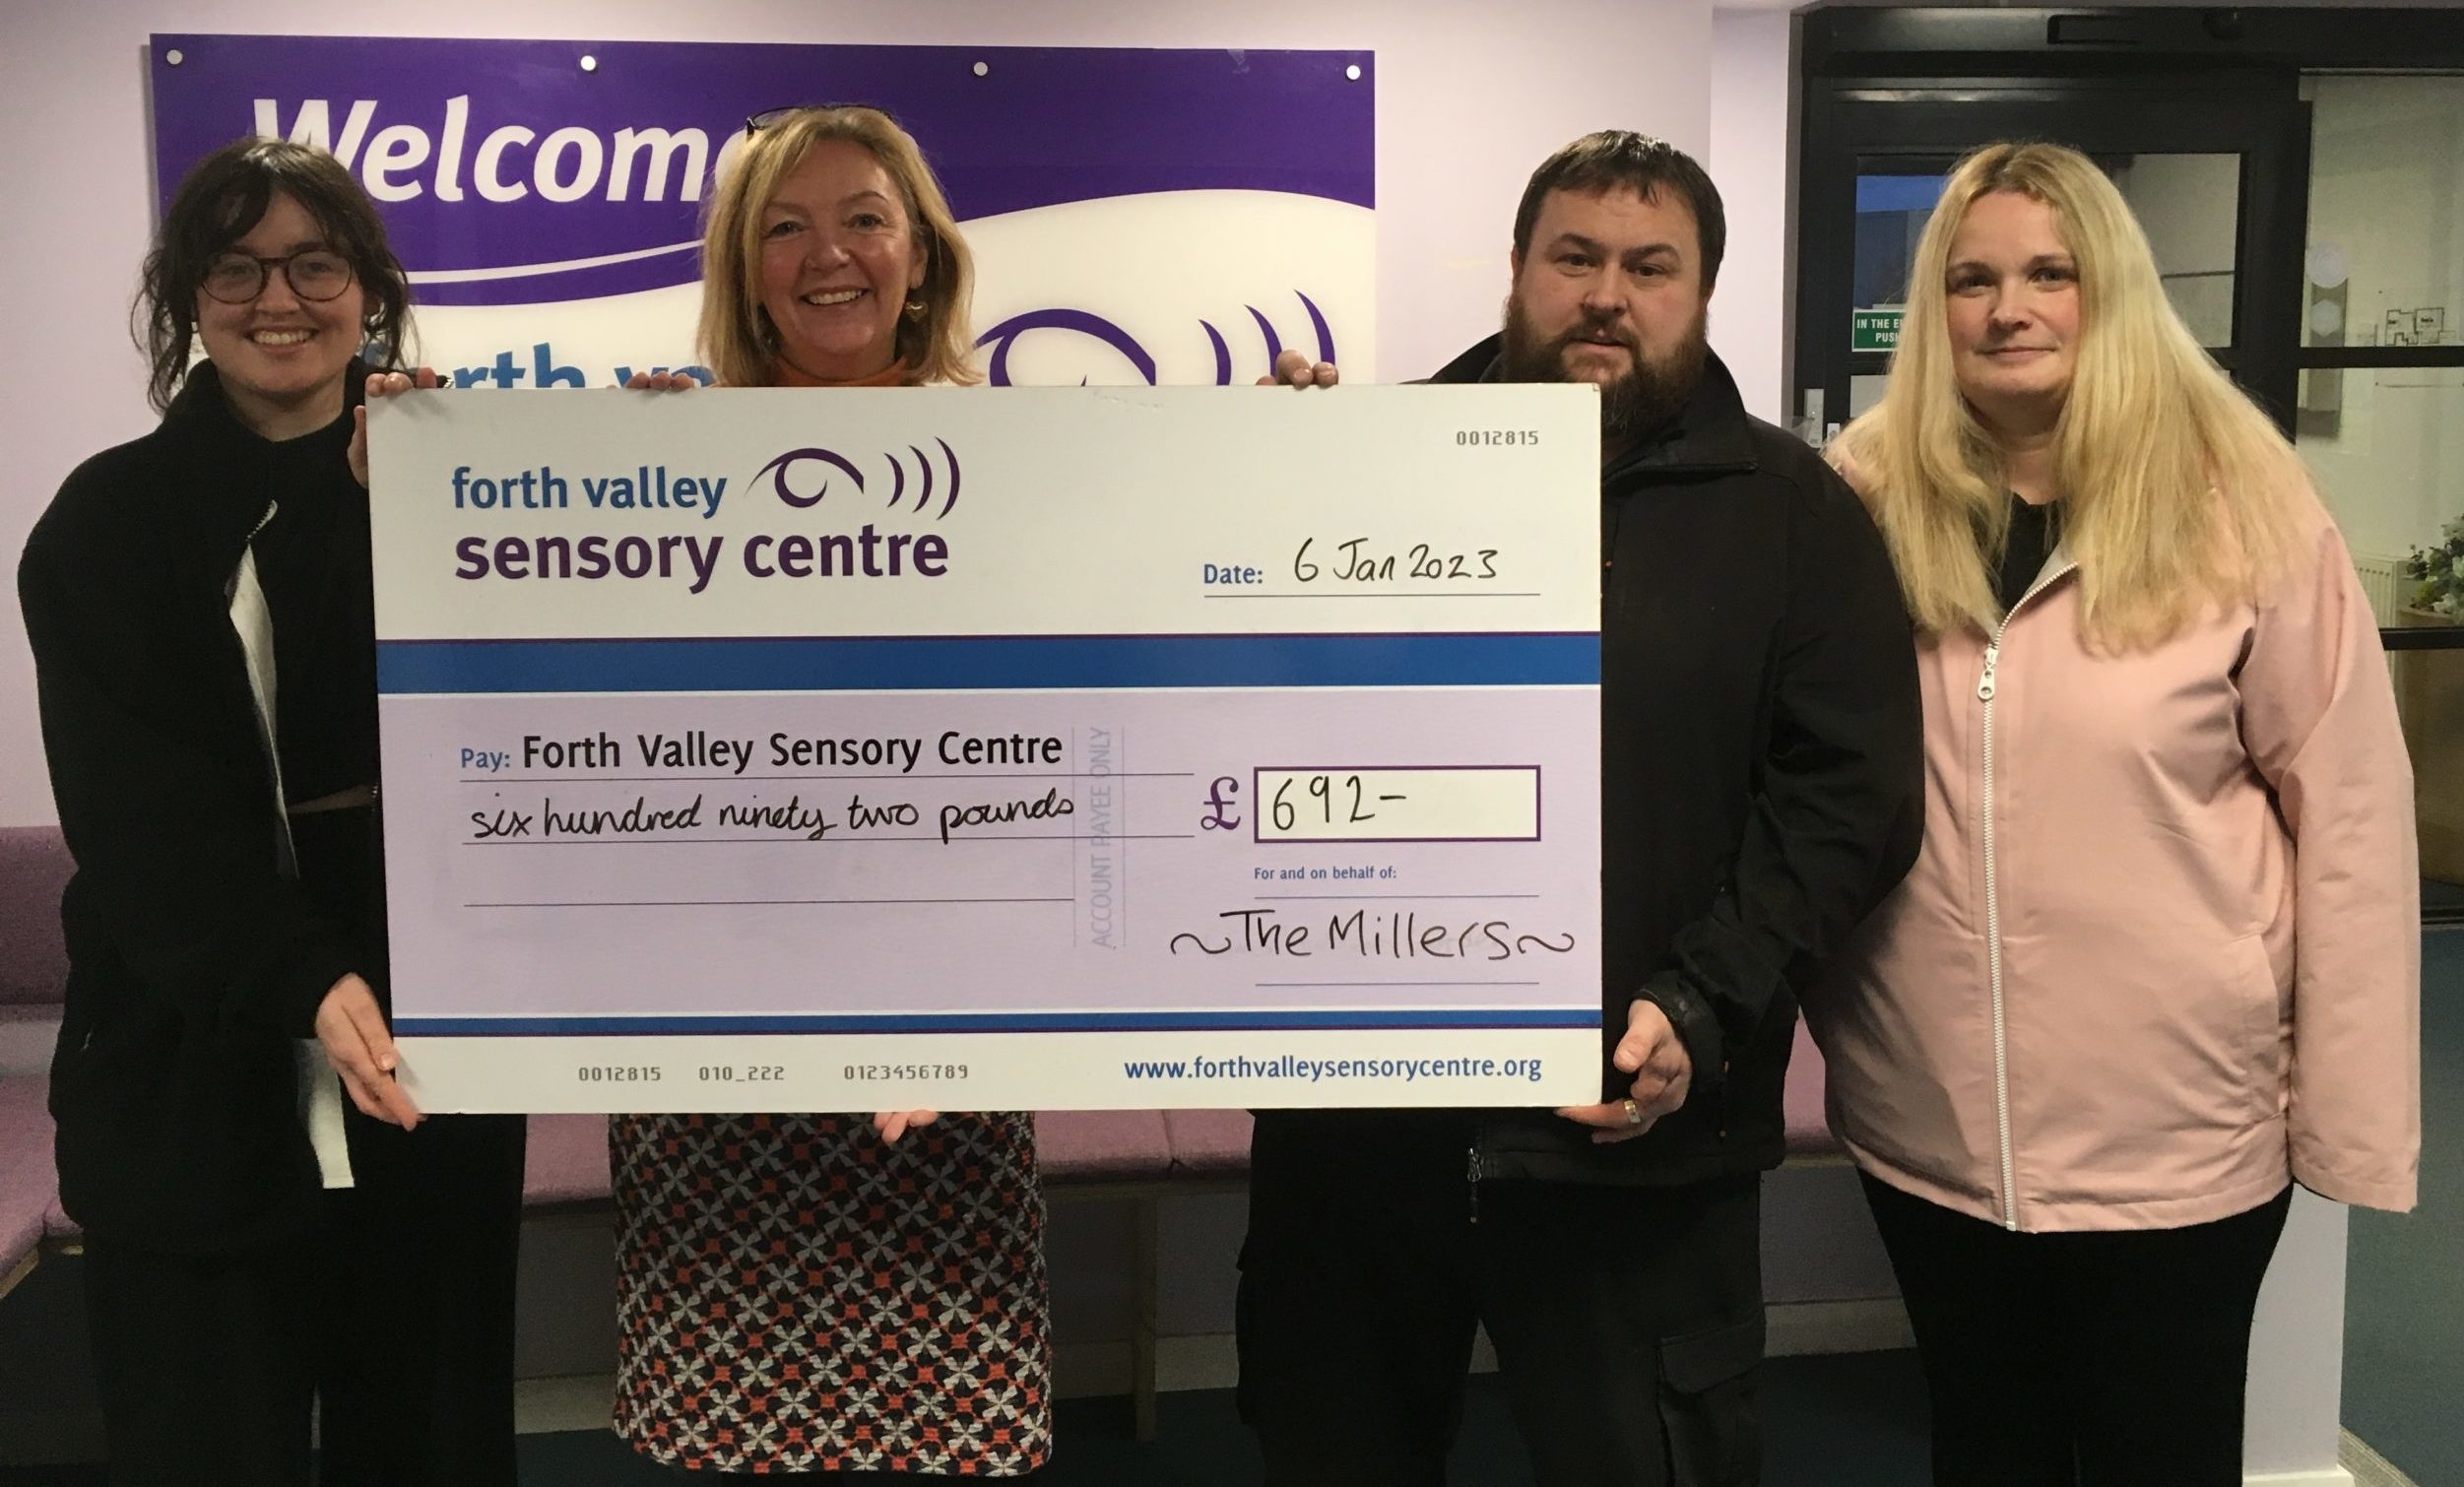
[{"x": 1663, "y": 1074}]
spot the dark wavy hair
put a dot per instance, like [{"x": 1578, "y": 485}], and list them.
[
  {"x": 218, "y": 203},
  {"x": 1619, "y": 157}
]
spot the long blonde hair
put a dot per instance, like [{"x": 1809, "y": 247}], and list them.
[
  {"x": 738, "y": 341},
  {"x": 2177, "y": 494}
]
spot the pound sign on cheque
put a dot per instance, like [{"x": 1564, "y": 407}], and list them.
[{"x": 1219, "y": 816}]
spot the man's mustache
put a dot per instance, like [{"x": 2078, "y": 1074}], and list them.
[{"x": 1591, "y": 330}]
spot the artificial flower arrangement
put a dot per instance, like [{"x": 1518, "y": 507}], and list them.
[{"x": 2440, "y": 573}]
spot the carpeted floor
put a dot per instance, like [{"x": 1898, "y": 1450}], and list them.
[{"x": 1850, "y": 1420}]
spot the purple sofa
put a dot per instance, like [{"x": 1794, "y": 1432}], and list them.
[{"x": 34, "y": 965}]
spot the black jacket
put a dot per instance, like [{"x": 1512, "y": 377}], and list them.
[
  {"x": 195, "y": 959},
  {"x": 1761, "y": 762}
]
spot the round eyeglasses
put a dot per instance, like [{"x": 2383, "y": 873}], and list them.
[{"x": 312, "y": 274}]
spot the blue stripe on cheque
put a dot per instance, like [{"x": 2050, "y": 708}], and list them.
[
  {"x": 995, "y": 1022},
  {"x": 984, "y": 663}
]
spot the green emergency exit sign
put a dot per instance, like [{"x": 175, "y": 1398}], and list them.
[{"x": 1878, "y": 330}]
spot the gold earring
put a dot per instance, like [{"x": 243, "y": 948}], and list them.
[{"x": 915, "y": 309}]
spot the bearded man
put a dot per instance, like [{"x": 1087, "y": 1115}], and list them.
[{"x": 1761, "y": 793}]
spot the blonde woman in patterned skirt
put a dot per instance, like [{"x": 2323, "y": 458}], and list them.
[
  {"x": 829, "y": 1294},
  {"x": 826, "y": 1294}
]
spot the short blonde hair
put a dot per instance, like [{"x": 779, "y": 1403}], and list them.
[
  {"x": 738, "y": 341},
  {"x": 2178, "y": 493}
]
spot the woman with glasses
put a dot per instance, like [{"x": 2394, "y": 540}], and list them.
[
  {"x": 201, "y": 612},
  {"x": 2158, "y": 961}
]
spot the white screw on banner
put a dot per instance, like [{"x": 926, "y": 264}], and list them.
[
  {"x": 590, "y": 63},
  {"x": 982, "y": 69},
  {"x": 1352, "y": 71},
  {"x": 173, "y": 58}
]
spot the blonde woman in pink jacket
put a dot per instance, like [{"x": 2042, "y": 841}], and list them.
[{"x": 2159, "y": 958}]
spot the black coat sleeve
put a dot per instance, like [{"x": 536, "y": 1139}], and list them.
[
  {"x": 1838, "y": 815},
  {"x": 172, "y": 823}
]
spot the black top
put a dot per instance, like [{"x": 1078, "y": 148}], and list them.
[
  {"x": 1761, "y": 771},
  {"x": 2025, "y": 549},
  {"x": 193, "y": 959},
  {"x": 312, "y": 562}
]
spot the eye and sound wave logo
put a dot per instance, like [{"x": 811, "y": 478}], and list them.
[
  {"x": 929, "y": 478},
  {"x": 1001, "y": 337}
]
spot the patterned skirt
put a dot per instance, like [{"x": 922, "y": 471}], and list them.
[{"x": 793, "y": 1295}]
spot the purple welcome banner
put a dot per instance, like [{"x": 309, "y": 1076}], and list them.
[{"x": 508, "y": 173}]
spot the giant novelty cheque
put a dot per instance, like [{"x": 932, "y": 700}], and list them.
[{"x": 856, "y": 750}]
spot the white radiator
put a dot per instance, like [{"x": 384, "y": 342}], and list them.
[{"x": 2383, "y": 580}]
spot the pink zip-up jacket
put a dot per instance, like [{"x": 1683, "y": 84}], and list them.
[{"x": 2161, "y": 951}]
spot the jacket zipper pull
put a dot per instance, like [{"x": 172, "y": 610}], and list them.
[
  {"x": 1471, "y": 1180},
  {"x": 1984, "y": 683}
]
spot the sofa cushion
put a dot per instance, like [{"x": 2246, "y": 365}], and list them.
[
  {"x": 1801, "y": 1107},
  {"x": 568, "y": 1161},
  {"x": 29, "y": 1186},
  {"x": 1209, "y": 1142},
  {"x": 1101, "y": 1145},
  {"x": 35, "y": 866}
]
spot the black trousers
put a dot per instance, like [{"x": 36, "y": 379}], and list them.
[
  {"x": 2100, "y": 1359},
  {"x": 1628, "y": 1320},
  {"x": 394, "y": 1316}
]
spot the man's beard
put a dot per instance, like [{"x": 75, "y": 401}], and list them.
[{"x": 1648, "y": 395}]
